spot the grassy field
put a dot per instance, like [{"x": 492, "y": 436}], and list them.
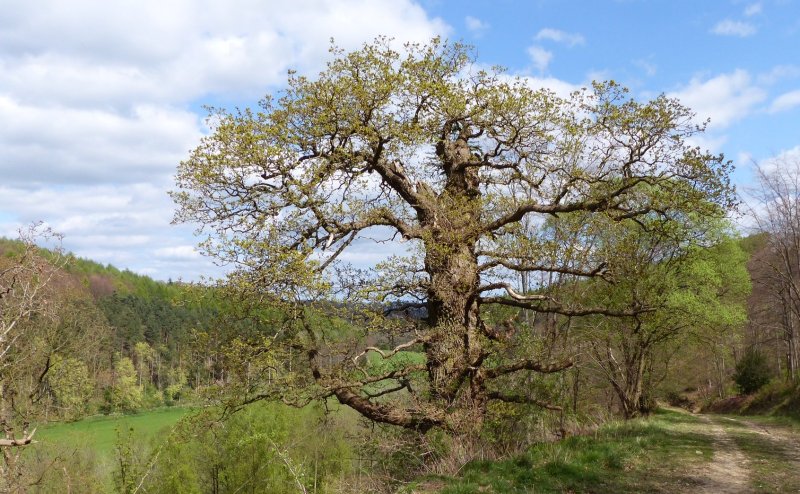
[{"x": 101, "y": 432}]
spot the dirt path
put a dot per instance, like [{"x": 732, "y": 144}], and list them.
[
  {"x": 749, "y": 457},
  {"x": 773, "y": 450},
  {"x": 787, "y": 441},
  {"x": 728, "y": 472}
]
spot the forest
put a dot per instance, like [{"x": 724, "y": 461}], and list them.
[{"x": 557, "y": 270}]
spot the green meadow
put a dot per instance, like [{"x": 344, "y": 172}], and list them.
[{"x": 100, "y": 433}]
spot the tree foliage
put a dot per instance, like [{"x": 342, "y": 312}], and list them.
[
  {"x": 126, "y": 395},
  {"x": 693, "y": 293},
  {"x": 752, "y": 372},
  {"x": 455, "y": 167},
  {"x": 71, "y": 385}
]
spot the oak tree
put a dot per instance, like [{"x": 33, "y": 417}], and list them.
[{"x": 441, "y": 163}]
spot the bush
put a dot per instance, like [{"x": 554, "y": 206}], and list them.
[
  {"x": 752, "y": 372},
  {"x": 267, "y": 447}
]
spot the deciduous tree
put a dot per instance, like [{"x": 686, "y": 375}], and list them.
[
  {"x": 777, "y": 212},
  {"x": 439, "y": 161},
  {"x": 26, "y": 303}
]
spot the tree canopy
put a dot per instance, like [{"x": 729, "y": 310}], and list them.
[{"x": 454, "y": 168}]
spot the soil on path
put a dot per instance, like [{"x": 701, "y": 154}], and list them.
[
  {"x": 728, "y": 472},
  {"x": 769, "y": 462}
]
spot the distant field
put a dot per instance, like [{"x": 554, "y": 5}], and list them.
[{"x": 101, "y": 432}]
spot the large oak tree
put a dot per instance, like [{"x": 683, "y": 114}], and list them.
[{"x": 452, "y": 167}]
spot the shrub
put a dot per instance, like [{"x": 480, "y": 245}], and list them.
[{"x": 752, "y": 372}]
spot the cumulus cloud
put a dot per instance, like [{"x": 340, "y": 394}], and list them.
[
  {"x": 156, "y": 50},
  {"x": 186, "y": 252},
  {"x": 785, "y": 101},
  {"x": 725, "y": 99},
  {"x": 99, "y": 102},
  {"x": 569, "y": 39},
  {"x": 730, "y": 27},
  {"x": 540, "y": 57},
  {"x": 125, "y": 225},
  {"x": 559, "y": 87}
]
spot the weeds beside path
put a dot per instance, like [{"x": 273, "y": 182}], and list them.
[{"x": 671, "y": 452}]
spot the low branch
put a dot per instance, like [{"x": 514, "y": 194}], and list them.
[
  {"x": 527, "y": 364},
  {"x": 399, "y": 387},
  {"x": 511, "y": 292},
  {"x": 380, "y": 412},
  {"x": 24, "y": 441},
  {"x": 388, "y": 354}
]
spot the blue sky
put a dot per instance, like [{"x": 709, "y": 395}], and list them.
[{"x": 99, "y": 101}]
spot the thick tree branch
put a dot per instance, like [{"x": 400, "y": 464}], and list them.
[
  {"x": 511, "y": 292},
  {"x": 527, "y": 364},
  {"x": 24, "y": 441},
  {"x": 601, "y": 270},
  {"x": 606, "y": 202}
]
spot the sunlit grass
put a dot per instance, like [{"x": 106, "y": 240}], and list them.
[
  {"x": 638, "y": 456},
  {"x": 100, "y": 433}
]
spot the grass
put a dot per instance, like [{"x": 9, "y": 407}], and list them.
[
  {"x": 649, "y": 455},
  {"x": 777, "y": 398},
  {"x": 100, "y": 433}
]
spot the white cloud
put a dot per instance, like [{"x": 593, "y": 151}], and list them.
[
  {"x": 785, "y": 101},
  {"x": 83, "y": 145},
  {"x": 743, "y": 158},
  {"x": 786, "y": 158},
  {"x": 778, "y": 73},
  {"x": 125, "y": 225},
  {"x": 158, "y": 50},
  {"x": 569, "y": 39},
  {"x": 730, "y": 27},
  {"x": 725, "y": 99},
  {"x": 98, "y": 99},
  {"x": 178, "y": 252},
  {"x": 753, "y": 9},
  {"x": 561, "y": 88},
  {"x": 476, "y": 26},
  {"x": 540, "y": 57}
]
